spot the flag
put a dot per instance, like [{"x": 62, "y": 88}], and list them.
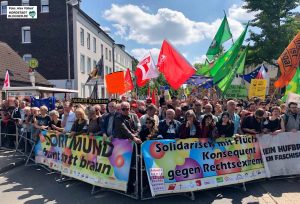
[
  {"x": 174, "y": 66},
  {"x": 196, "y": 80},
  {"x": 204, "y": 70},
  {"x": 238, "y": 66},
  {"x": 293, "y": 86},
  {"x": 225, "y": 63},
  {"x": 115, "y": 83},
  {"x": 97, "y": 71},
  {"x": 262, "y": 74},
  {"x": 251, "y": 75},
  {"x": 145, "y": 70},
  {"x": 223, "y": 34},
  {"x": 153, "y": 97},
  {"x": 94, "y": 94},
  {"x": 6, "y": 80},
  {"x": 128, "y": 81},
  {"x": 288, "y": 62}
]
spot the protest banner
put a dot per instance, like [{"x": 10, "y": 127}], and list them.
[
  {"x": 258, "y": 88},
  {"x": 236, "y": 91},
  {"x": 281, "y": 153},
  {"x": 292, "y": 97},
  {"x": 175, "y": 166},
  {"x": 87, "y": 158}
]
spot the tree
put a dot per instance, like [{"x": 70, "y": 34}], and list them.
[{"x": 278, "y": 25}]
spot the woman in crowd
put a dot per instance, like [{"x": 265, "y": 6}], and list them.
[
  {"x": 94, "y": 122},
  {"x": 218, "y": 110},
  {"x": 149, "y": 130},
  {"x": 55, "y": 123},
  {"x": 225, "y": 127},
  {"x": 274, "y": 124},
  {"x": 191, "y": 127},
  {"x": 208, "y": 127},
  {"x": 80, "y": 124},
  {"x": 43, "y": 120}
]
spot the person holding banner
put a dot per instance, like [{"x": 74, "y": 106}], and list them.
[
  {"x": 208, "y": 127},
  {"x": 292, "y": 118},
  {"x": 125, "y": 124},
  {"x": 169, "y": 128},
  {"x": 43, "y": 120},
  {"x": 94, "y": 127},
  {"x": 191, "y": 127},
  {"x": 108, "y": 121},
  {"x": 274, "y": 124},
  {"x": 55, "y": 123},
  {"x": 253, "y": 124},
  {"x": 150, "y": 130},
  {"x": 225, "y": 127},
  {"x": 68, "y": 117},
  {"x": 80, "y": 125}
]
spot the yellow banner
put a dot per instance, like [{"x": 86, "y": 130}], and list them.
[{"x": 258, "y": 88}]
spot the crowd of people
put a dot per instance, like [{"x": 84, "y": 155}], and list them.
[{"x": 194, "y": 117}]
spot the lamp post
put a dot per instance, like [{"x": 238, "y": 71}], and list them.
[{"x": 69, "y": 81}]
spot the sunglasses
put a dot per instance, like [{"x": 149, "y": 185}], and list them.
[{"x": 125, "y": 109}]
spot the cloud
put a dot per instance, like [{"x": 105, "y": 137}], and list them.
[
  {"x": 140, "y": 25},
  {"x": 139, "y": 53},
  {"x": 238, "y": 13},
  {"x": 200, "y": 59},
  {"x": 105, "y": 29}
]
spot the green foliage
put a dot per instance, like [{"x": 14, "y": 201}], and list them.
[{"x": 278, "y": 26}]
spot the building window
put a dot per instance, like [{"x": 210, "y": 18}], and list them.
[
  {"x": 26, "y": 35},
  {"x": 102, "y": 92},
  {"x": 110, "y": 70},
  {"x": 44, "y": 6},
  {"x": 106, "y": 70},
  {"x": 101, "y": 49},
  {"x": 27, "y": 57},
  {"x": 4, "y": 7},
  {"x": 88, "y": 65},
  {"x": 110, "y": 55},
  {"x": 94, "y": 63},
  {"x": 106, "y": 53},
  {"x": 82, "y": 63},
  {"x": 25, "y": 2},
  {"x": 94, "y": 45},
  {"x": 82, "y": 36},
  {"x": 83, "y": 90},
  {"x": 88, "y": 41}
]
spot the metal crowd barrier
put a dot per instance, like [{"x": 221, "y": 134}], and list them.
[{"x": 7, "y": 135}]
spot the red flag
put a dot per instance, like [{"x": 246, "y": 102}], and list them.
[
  {"x": 128, "y": 81},
  {"x": 141, "y": 71},
  {"x": 6, "y": 80},
  {"x": 115, "y": 82},
  {"x": 174, "y": 66},
  {"x": 153, "y": 98}
]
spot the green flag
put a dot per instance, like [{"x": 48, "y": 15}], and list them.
[
  {"x": 223, "y": 34},
  {"x": 238, "y": 66},
  {"x": 293, "y": 86},
  {"x": 204, "y": 70},
  {"x": 225, "y": 63}
]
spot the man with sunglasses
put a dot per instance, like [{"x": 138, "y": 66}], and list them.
[
  {"x": 127, "y": 125},
  {"x": 292, "y": 118},
  {"x": 253, "y": 124}
]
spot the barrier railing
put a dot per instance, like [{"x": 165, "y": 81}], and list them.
[{"x": 6, "y": 138}]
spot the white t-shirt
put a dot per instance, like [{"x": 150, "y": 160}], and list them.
[{"x": 70, "y": 120}]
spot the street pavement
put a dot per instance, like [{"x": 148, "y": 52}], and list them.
[{"x": 35, "y": 185}]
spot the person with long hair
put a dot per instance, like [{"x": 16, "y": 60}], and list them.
[
  {"x": 191, "y": 127},
  {"x": 274, "y": 124},
  {"x": 225, "y": 127},
  {"x": 80, "y": 124},
  {"x": 208, "y": 127},
  {"x": 149, "y": 130}
]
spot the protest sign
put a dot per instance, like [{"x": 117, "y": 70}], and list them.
[
  {"x": 236, "y": 91},
  {"x": 258, "y": 88},
  {"x": 86, "y": 158},
  {"x": 175, "y": 166},
  {"x": 281, "y": 153},
  {"x": 292, "y": 97}
]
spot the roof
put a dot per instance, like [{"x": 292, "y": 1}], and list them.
[
  {"x": 40, "y": 89},
  {"x": 10, "y": 60}
]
